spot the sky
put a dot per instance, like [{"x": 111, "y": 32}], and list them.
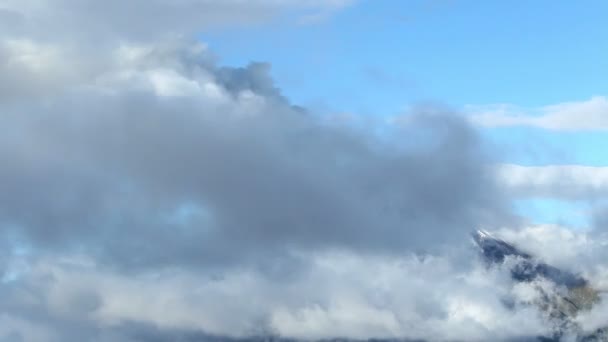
[
  {"x": 191, "y": 170},
  {"x": 384, "y": 55}
]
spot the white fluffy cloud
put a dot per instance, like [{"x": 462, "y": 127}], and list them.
[{"x": 341, "y": 294}]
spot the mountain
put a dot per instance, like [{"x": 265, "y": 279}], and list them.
[
  {"x": 569, "y": 294},
  {"x": 528, "y": 268}
]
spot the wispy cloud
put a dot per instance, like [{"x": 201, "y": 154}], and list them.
[
  {"x": 555, "y": 181},
  {"x": 589, "y": 115}
]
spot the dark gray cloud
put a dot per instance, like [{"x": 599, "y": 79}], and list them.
[{"x": 128, "y": 172}]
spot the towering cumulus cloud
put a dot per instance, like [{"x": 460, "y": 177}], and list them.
[{"x": 149, "y": 194}]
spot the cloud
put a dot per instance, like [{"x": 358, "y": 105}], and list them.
[
  {"x": 558, "y": 245},
  {"x": 174, "y": 151},
  {"x": 435, "y": 297},
  {"x": 141, "y": 19},
  {"x": 589, "y": 115},
  {"x": 342, "y": 294},
  {"x": 48, "y": 44},
  {"x": 569, "y": 182}
]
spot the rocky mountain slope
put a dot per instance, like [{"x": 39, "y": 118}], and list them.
[{"x": 561, "y": 294}]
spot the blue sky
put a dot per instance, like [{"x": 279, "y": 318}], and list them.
[{"x": 378, "y": 57}]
